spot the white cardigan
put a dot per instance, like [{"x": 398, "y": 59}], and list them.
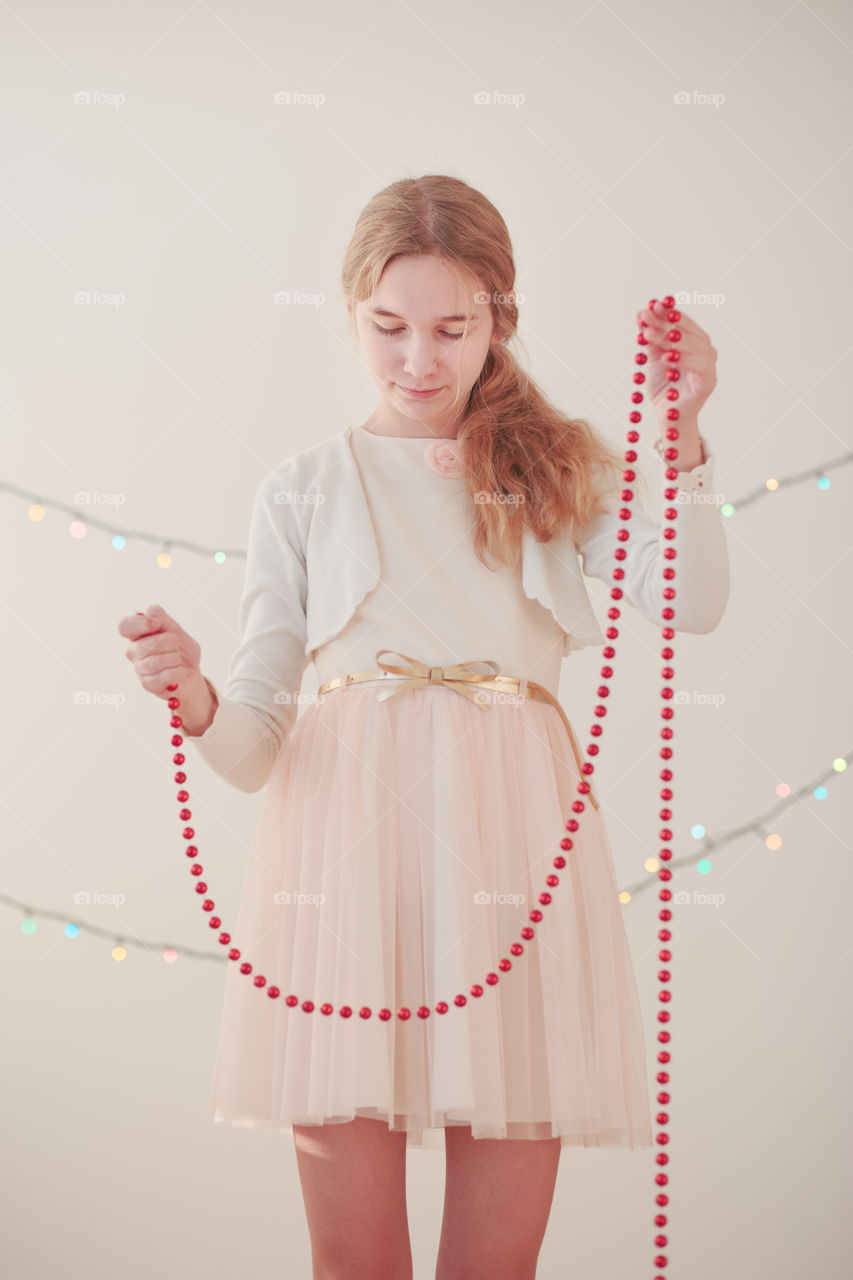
[{"x": 307, "y": 571}]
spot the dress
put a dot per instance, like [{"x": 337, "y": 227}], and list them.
[{"x": 400, "y": 846}]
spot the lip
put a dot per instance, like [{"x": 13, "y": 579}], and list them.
[{"x": 420, "y": 395}]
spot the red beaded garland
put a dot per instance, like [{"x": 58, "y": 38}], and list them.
[{"x": 476, "y": 990}]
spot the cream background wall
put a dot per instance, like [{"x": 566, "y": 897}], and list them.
[{"x": 185, "y": 188}]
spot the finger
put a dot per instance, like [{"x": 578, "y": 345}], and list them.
[
  {"x": 658, "y": 319},
  {"x": 134, "y": 626}
]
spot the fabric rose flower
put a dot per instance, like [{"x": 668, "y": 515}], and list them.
[{"x": 442, "y": 457}]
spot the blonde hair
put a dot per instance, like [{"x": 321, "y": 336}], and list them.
[{"x": 546, "y": 470}]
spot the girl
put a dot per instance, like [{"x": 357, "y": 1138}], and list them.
[{"x": 413, "y": 812}]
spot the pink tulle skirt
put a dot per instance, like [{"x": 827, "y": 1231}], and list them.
[{"x": 400, "y": 847}]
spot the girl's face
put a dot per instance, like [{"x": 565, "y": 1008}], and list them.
[{"x": 410, "y": 332}]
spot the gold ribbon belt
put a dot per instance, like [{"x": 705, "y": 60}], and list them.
[{"x": 459, "y": 677}]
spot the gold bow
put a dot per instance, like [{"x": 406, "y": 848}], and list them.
[{"x": 420, "y": 674}]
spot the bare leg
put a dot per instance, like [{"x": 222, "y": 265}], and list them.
[
  {"x": 497, "y": 1199},
  {"x": 353, "y": 1179}
]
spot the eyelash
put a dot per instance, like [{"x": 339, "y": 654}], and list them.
[{"x": 390, "y": 332}]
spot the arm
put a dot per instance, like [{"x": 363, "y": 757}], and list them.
[
  {"x": 701, "y": 562},
  {"x": 257, "y": 707}
]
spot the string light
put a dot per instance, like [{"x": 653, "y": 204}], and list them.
[{"x": 121, "y": 535}]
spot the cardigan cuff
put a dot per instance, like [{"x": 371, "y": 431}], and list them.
[{"x": 699, "y": 479}]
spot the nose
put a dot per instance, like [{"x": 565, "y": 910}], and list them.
[{"x": 421, "y": 357}]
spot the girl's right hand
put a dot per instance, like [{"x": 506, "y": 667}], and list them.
[{"x": 162, "y": 653}]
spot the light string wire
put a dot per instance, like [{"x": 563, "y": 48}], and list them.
[
  {"x": 757, "y": 826},
  {"x": 816, "y": 472}
]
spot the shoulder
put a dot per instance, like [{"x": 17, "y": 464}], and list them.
[
  {"x": 313, "y": 463},
  {"x": 301, "y": 480}
]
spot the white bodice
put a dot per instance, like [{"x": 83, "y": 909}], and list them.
[{"x": 434, "y": 599}]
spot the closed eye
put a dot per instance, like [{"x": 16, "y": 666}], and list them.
[{"x": 389, "y": 333}]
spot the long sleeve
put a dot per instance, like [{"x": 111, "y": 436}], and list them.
[
  {"x": 701, "y": 562},
  {"x": 259, "y": 704}
]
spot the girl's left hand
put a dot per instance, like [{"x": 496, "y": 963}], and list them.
[{"x": 697, "y": 362}]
